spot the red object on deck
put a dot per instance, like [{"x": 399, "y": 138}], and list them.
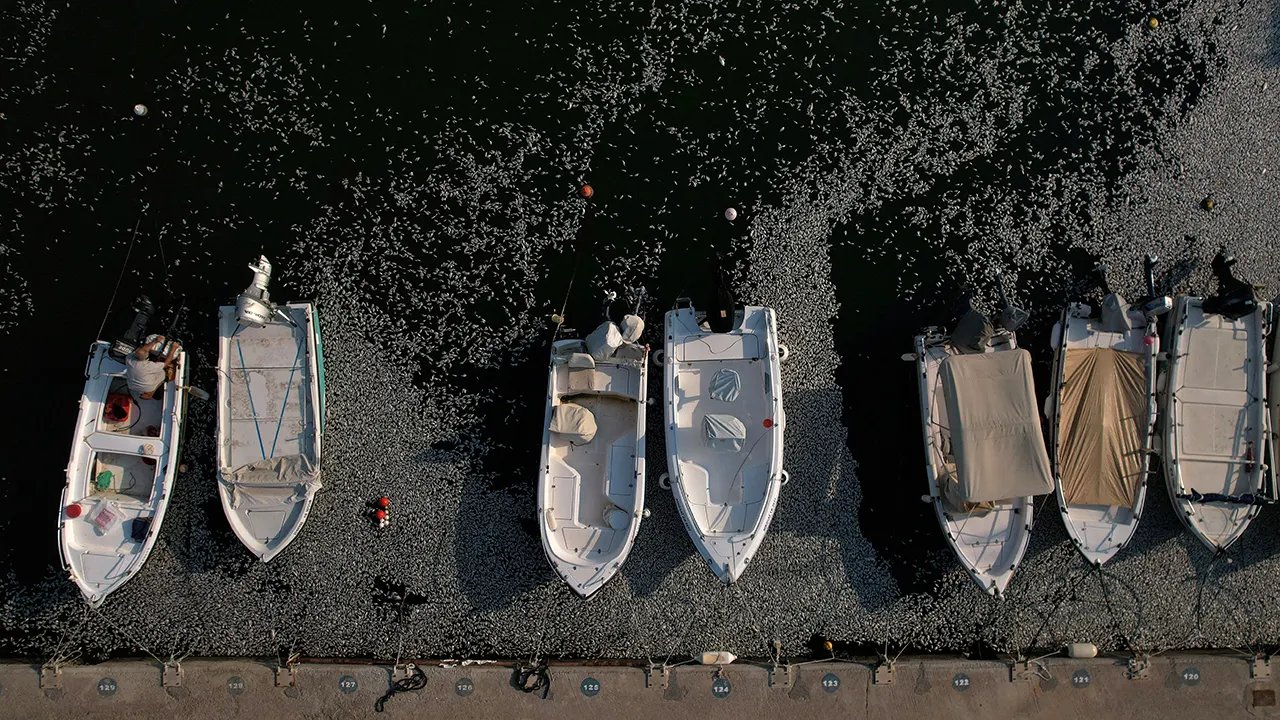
[
  {"x": 768, "y": 423},
  {"x": 73, "y": 510},
  {"x": 118, "y": 407}
]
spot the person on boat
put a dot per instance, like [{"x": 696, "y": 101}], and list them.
[{"x": 146, "y": 376}]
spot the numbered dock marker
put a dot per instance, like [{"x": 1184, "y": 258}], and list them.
[
  {"x": 961, "y": 682},
  {"x": 347, "y": 684},
  {"x": 464, "y": 687},
  {"x": 107, "y": 686},
  {"x": 830, "y": 682},
  {"x": 1191, "y": 676},
  {"x": 1081, "y": 678},
  {"x": 236, "y": 685},
  {"x": 591, "y": 687},
  {"x": 720, "y": 687}
]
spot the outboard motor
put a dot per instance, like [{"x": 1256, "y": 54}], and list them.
[
  {"x": 720, "y": 312},
  {"x": 253, "y": 306},
  {"x": 1011, "y": 316},
  {"x": 972, "y": 330},
  {"x": 1235, "y": 298},
  {"x": 132, "y": 331},
  {"x": 1153, "y": 305},
  {"x": 1114, "y": 313}
]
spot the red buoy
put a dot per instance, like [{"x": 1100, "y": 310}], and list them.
[
  {"x": 379, "y": 515},
  {"x": 384, "y": 502},
  {"x": 587, "y": 191},
  {"x": 768, "y": 423},
  {"x": 73, "y": 510}
]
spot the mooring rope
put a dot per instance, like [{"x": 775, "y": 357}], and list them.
[
  {"x": 123, "y": 267},
  {"x": 416, "y": 681}
]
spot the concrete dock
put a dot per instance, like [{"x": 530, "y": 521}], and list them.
[{"x": 1176, "y": 686}]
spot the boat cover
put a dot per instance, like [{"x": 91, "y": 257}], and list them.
[
  {"x": 995, "y": 429},
  {"x": 1100, "y": 426},
  {"x": 726, "y": 385},
  {"x": 604, "y": 340},
  {"x": 258, "y": 483},
  {"x": 724, "y": 432},
  {"x": 573, "y": 422},
  {"x": 632, "y": 328}
]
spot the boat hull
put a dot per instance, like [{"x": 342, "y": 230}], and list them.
[
  {"x": 990, "y": 543},
  {"x": 1100, "y": 531},
  {"x": 1215, "y": 419},
  {"x": 725, "y": 489},
  {"x": 130, "y": 464},
  {"x": 270, "y": 426},
  {"x": 591, "y": 494}
]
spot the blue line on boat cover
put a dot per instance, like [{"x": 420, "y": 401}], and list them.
[{"x": 261, "y": 445}]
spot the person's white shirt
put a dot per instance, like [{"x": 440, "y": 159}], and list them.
[{"x": 143, "y": 375}]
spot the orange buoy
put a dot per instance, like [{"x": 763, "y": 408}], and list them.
[
  {"x": 587, "y": 191},
  {"x": 384, "y": 502},
  {"x": 73, "y": 510}
]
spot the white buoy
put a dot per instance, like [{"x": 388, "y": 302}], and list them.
[
  {"x": 721, "y": 60},
  {"x": 730, "y": 214},
  {"x": 140, "y": 110},
  {"x": 717, "y": 657}
]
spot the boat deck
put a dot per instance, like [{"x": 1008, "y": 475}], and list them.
[{"x": 267, "y": 409}]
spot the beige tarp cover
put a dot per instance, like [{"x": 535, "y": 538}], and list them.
[
  {"x": 995, "y": 427},
  {"x": 1104, "y": 406},
  {"x": 574, "y": 423}
]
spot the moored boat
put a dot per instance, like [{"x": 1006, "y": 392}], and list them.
[
  {"x": 591, "y": 482},
  {"x": 1102, "y": 414},
  {"x": 1215, "y": 420},
  {"x": 985, "y": 456},
  {"x": 270, "y": 415},
  {"x": 124, "y": 460},
  {"x": 724, "y": 428}
]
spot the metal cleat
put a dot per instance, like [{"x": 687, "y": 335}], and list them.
[
  {"x": 51, "y": 676},
  {"x": 1139, "y": 667},
  {"x": 1260, "y": 667},
  {"x": 657, "y": 676},
  {"x": 173, "y": 675},
  {"x": 780, "y": 676},
  {"x": 883, "y": 674},
  {"x": 1021, "y": 671}
]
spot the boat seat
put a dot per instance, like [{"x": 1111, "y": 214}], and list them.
[{"x": 603, "y": 379}]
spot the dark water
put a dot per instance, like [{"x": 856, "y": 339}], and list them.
[{"x": 264, "y": 118}]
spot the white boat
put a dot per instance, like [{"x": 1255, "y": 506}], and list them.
[
  {"x": 1102, "y": 416},
  {"x": 591, "y": 484},
  {"x": 270, "y": 415},
  {"x": 1216, "y": 425},
  {"x": 123, "y": 460},
  {"x": 984, "y": 451},
  {"x": 725, "y": 424}
]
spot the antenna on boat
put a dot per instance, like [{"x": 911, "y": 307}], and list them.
[
  {"x": 1104, "y": 279},
  {"x": 253, "y": 306},
  {"x": 1153, "y": 305},
  {"x": 1012, "y": 317}
]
